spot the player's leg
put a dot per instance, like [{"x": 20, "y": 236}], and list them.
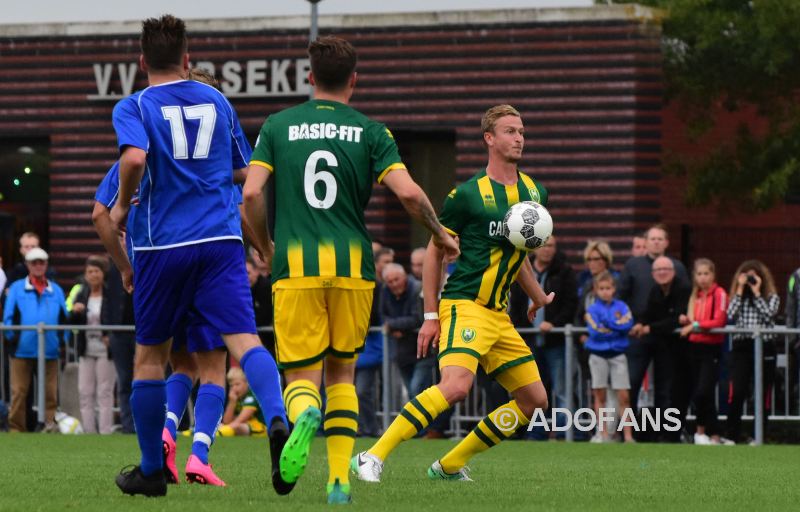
[
  {"x": 497, "y": 426},
  {"x": 223, "y": 275},
  {"x": 164, "y": 289},
  {"x": 509, "y": 361},
  {"x": 341, "y": 424},
  {"x": 302, "y": 340},
  {"x": 348, "y": 318},
  {"x": 179, "y": 387},
  {"x": 208, "y": 414},
  {"x": 459, "y": 352},
  {"x": 148, "y": 406}
]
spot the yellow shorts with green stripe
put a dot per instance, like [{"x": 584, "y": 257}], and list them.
[
  {"x": 257, "y": 428},
  {"x": 311, "y": 323},
  {"x": 472, "y": 334}
]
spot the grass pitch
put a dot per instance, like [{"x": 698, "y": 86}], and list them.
[{"x": 53, "y": 472}]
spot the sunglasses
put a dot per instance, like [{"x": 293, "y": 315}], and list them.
[
  {"x": 595, "y": 258},
  {"x": 38, "y": 262}
]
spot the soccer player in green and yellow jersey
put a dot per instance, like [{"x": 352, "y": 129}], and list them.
[
  {"x": 470, "y": 322},
  {"x": 325, "y": 157}
]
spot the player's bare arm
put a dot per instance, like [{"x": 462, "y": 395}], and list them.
[
  {"x": 240, "y": 175},
  {"x": 431, "y": 283},
  {"x": 111, "y": 239},
  {"x": 420, "y": 208},
  {"x": 131, "y": 168},
  {"x": 532, "y": 288},
  {"x": 255, "y": 208}
]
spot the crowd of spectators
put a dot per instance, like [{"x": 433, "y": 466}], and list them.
[{"x": 648, "y": 323}]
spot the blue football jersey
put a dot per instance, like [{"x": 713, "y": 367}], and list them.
[
  {"x": 193, "y": 142},
  {"x": 108, "y": 189},
  {"x": 107, "y": 194}
]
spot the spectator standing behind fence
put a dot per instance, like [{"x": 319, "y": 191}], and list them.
[
  {"x": 659, "y": 321},
  {"x": 609, "y": 320},
  {"x": 636, "y": 282},
  {"x": 708, "y": 306},
  {"x": 261, "y": 290},
  {"x": 369, "y": 362},
  {"x": 754, "y": 304},
  {"x": 554, "y": 274},
  {"x": 417, "y": 257},
  {"x": 29, "y": 301},
  {"x": 793, "y": 310},
  {"x": 96, "y": 374},
  {"x": 401, "y": 312},
  {"x": 638, "y": 246},
  {"x": 27, "y": 241}
]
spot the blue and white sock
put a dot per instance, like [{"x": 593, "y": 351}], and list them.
[
  {"x": 148, "y": 405},
  {"x": 179, "y": 387},
  {"x": 265, "y": 381},
  {"x": 207, "y": 415}
]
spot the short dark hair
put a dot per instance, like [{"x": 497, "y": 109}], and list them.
[
  {"x": 383, "y": 251},
  {"x": 163, "y": 42},
  {"x": 100, "y": 262},
  {"x": 333, "y": 61}
]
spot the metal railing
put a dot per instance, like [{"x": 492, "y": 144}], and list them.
[{"x": 387, "y": 385}]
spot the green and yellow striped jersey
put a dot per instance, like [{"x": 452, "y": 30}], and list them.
[
  {"x": 488, "y": 263},
  {"x": 325, "y": 156}
]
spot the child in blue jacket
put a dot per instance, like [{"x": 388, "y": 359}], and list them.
[{"x": 608, "y": 321}]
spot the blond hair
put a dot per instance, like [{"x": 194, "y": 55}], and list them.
[
  {"x": 602, "y": 248},
  {"x": 603, "y": 277},
  {"x": 699, "y": 262},
  {"x": 236, "y": 373},
  {"x": 493, "y": 114},
  {"x": 203, "y": 76}
]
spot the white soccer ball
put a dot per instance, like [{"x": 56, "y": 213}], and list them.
[
  {"x": 68, "y": 424},
  {"x": 527, "y": 225}
]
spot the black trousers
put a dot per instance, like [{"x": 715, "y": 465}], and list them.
[
  {"x": 640, "y": 353},
  {"x": 123, "y": 348},
  {"x": 704, "y": 361},
  {"x": 741, "y": 380}
]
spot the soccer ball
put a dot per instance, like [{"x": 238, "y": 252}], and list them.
[
  {"x": 68, "y": 424},
  {"x": 527, "y": 225}
]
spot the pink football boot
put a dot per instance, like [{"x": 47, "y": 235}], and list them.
[
  {"x": 170, "y": 449},
  {"x": 197, "y": 472}
]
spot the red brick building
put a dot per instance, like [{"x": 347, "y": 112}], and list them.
[{"x": 587, "y": 81}]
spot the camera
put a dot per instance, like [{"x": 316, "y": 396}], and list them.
[{"x": 751, "y": 279}]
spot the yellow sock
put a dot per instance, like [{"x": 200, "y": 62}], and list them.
[
  {"x": 299, "y": 396},
  {"x": 415, "y": 416},
  {"x": 497, "y": 426},
  {"x": 341, "y": 424}
]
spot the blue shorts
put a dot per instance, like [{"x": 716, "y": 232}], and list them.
[
  {"x": 197, "y": 337},
  {"x": 207, "y": 279}
]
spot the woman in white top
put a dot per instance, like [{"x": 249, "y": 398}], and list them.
[{"x": 96, "y": 374}]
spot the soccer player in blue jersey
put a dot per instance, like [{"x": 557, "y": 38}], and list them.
[
  {"x": 197, "y": 353},
  {"x": 178, "y": 141}
]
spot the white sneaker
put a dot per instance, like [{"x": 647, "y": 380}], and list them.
[
  {"x": 702, "y": 439},
  {"x": 726, "y": 442},
  {"x": 367, "y": 467},
  {"x": 436, "y": 472},
  {"x": 597, "y": 438}
]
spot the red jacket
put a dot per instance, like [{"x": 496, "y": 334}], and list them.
[{"x": 710, "y": 311}]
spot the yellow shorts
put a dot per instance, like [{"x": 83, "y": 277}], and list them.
[
  {"x": 473, "y": 334},
  {"x": 257, "y": 428},
  {"x": 311, "y": 323}
]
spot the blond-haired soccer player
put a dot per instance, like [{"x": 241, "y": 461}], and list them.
[
  {"x": 470, "y": 323},
  {"x": 325, "y": 157}
]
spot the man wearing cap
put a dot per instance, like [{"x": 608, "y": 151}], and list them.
[{"x": 29, "y": 301}]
